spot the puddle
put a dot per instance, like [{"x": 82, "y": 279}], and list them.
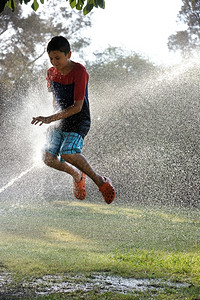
[
  {"x": 5, "y": 279},
  {"x": 100, "y": 282}
]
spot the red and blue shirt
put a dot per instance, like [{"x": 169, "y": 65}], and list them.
[{"x": 67, "y": 89}]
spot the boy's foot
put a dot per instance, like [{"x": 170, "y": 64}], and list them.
[
  {"x": 108, "y": 191},
  {"x": 79, "y": 188}
]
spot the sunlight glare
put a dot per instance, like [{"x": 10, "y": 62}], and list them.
[{"x": 140, "y": 26}]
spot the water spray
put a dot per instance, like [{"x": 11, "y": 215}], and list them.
[
  {"x": 37, "y": 160},
  {"x": 33, "y": 137},
  {"x": 10, "y": 183}
]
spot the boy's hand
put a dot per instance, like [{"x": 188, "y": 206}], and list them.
[{"x": 41, "y": 120}]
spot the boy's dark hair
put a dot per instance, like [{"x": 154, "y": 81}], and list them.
[{"x": 58, "y": 43}]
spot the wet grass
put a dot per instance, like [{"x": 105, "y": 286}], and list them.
[
  {"x": 167, "y": 295},
  {"x": 81, "y": 237}
]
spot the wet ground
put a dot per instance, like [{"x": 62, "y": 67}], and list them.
[{"x": 100, "y": 282}]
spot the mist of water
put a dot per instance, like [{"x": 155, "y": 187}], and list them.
[
  {"x": 21, "y": 145},
  {"x": 144, "y": 136},
  {"x": 10, "y": 183}
]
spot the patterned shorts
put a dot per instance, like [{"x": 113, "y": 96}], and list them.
[{"x": 60, "y": 142}]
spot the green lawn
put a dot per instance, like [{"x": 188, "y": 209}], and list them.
[{"x": 83, "y": 237}]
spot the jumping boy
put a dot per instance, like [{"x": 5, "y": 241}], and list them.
[{"x": 68, "y": 81}]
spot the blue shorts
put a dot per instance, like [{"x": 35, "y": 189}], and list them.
[{"x": 60, "y": 142}]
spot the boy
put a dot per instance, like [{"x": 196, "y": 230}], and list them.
[{"x": 68, "y": 81}]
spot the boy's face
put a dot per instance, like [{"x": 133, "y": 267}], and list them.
[{"x": 59, "y": 60}]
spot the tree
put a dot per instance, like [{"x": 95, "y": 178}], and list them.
[
  {"x": 113, "y": 65},
  {"x": 23, "y": 41},
  {"x": 78, "y": 4},
  {"x": 189, "y": 39}
]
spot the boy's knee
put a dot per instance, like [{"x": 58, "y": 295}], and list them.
[{"x": 48, "y": 159}]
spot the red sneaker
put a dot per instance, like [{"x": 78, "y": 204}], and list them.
[
  {"x": 108, "y": 191},
  {"x": 79, "y": 188}
]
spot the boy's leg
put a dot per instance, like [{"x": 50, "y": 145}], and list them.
[
  {"x": 69, "y": 146},
  {"x": 104, "y": 184},
  {"x": 80, "y": 162},
  {"x": 54, "y": 141},
  {"x": 53, "y": 162}
]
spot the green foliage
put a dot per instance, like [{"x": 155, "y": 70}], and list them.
[
  {"x": 91, "y": 3},
  {"x": 11, "y": 4},
  {"x": 78, "y": 4},
  {"x": 35, "y": 5}
]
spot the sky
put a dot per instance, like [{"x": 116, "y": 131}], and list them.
[{"x": 140, "y": 26}]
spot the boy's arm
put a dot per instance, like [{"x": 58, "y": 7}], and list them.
[{"x": 68, "y": 112}]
